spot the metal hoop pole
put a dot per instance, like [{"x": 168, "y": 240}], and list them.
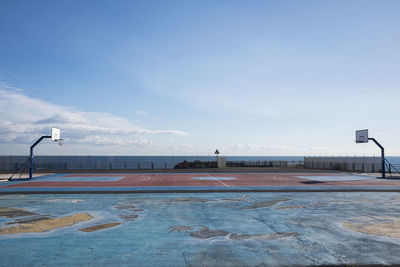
[
  {"x": 382, "y": 155},
  {"x": 31, "y": 154}
]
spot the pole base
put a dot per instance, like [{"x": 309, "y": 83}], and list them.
[{"x": 389, "y": 177}]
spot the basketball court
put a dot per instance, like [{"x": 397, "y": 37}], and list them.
[
  {"x": 199, "y": 219},
  {"x": 199, "y": 182}
]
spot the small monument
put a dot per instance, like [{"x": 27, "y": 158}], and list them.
[{"x": 221, "y": 161}]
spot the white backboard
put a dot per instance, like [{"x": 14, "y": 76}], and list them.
[
  {"x": 362, "y": 136},
  {"x": 55, "y": 134}
]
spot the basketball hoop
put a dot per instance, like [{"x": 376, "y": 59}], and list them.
[
  {"x": 55, "y": 136},
  {"x": 362, "y": 136},
  {"x": 60, "y": 142}
]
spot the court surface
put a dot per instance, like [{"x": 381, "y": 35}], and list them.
[
  {"x": 199, "y": 182},
  {"x": 67, "y": 220}
]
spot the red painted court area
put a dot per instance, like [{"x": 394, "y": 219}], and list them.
[{"x": 205, "y": 180}]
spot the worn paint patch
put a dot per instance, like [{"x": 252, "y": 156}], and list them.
[
  {"x": 29, "y": 220},
  {"x": 12, "y": 212},
  {"x": 128, "y": 207},
  {"x": 180, "y": 228},
  {"x": 60, "y": 200},
  {"x": 124, "y": 207},
  {"x": 205, "y": 232},
  {"x": 99, "y": 227},
  {"x": 12, "y": 197},
  {"x": 290, "y": 207},
  {"x": 128, "y": 217},
  {"x": 366, "y": 200},
  {"x": 279, "y": 235},
  {"x": 341, "y": 202},
  {"x": 265, "y": 204},
  {"x": 386, "y": 226},
  {"x": 136, "y": 210},
  {"x": 185, "y": 199},
  {"x": 47, "y": 225},
  {"x": 319, "y": 204},
  {"x": 237, "y": 199}
]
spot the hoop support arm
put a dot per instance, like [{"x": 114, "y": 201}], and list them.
[
  {"x": 382, "y": 155},
  {"x": 31, "y": 153}
]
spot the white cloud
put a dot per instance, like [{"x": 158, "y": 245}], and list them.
[
  {"x": 141, "y": 112},
  {"x": 258, "y": 148},
  {"x": 101, "y": 140},
  {"x": 23, "y": 119}
]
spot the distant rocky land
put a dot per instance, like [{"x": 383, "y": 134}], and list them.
[{"x": 197, "y": 164}]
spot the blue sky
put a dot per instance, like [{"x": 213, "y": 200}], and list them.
[{"x": 186, "y": 77}]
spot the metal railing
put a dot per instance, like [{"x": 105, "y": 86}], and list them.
[
  {"x": 129, "y": 165},
  {"x": 392, "y": 168},
  {"x": 76, "y": 166},
  {"x": 344, "y": 166},
  {"x": 264, "y": 163}
]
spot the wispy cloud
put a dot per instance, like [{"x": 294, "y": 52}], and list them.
[
  {"x": 101, "y": 140},
  {"x": 23, "y": 119},
  {"x": 254, "y": 148},
  {"x": 141, "y": 112}
]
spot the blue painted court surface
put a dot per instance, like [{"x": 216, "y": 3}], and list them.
[
  {"x": 211, "y": 229},
  {"x": 343, "y": 177},
  {"x": 64, "y": 178}
]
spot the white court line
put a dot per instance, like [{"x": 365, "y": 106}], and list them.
[
  {"x": 146, "y": 178},
  {"x": 218, "y": 180}
]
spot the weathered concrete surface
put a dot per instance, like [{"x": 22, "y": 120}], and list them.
[{"x": 214, "y": 229}]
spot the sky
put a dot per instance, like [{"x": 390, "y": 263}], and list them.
[{"x": 255, "y": 78}]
